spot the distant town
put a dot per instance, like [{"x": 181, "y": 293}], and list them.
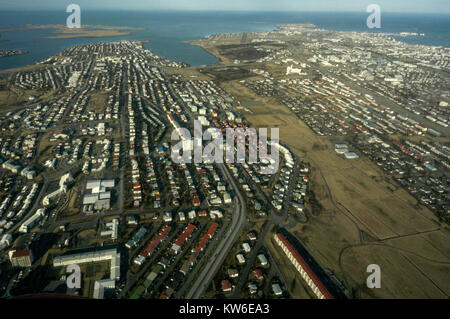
[
  {"x": 5, "y": 53},
  {"x": 88, "y": 177}
]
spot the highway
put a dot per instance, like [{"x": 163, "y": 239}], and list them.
[{"x": 210, "y": 269}]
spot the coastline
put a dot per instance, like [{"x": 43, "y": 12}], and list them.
[
  {"x": 335, "y": 183},
  {"x": 270, "y": 23},
  {"x": 103, "y": 31},
  {"x": 35, "y": 65},
  {"x": 86, "y": 31}
]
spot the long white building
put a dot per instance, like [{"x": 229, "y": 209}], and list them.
[
  {"x": 303, "y": 268},
  {"x": 92, "y": 256},
  {"x": 32, "y": 221}
]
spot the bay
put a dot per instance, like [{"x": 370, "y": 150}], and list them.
[{"x": 167, "y": 31}]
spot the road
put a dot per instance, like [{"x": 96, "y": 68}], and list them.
[
  {"x": 210, "y": 269},
  {"x": 123, "y": 144},
  {"x": 275, "y": 218}
]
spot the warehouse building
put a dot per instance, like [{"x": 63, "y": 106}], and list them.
[{"x": 100, "y": 197}]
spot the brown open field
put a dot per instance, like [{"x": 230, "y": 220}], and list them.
[
  {"x": 10, "y": 99},
  {"x": 97, "y": 102},
  {"x": 86, "y": 31},
  {"x": 22, "y": 69},
  {"x": 402, "y": 274},
  {"x": 190, "y": 73},
  {"x": 365, "y": 217}
]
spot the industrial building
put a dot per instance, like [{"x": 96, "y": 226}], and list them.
[{"x": 100, "y": 197}]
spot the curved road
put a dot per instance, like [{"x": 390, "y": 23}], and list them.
[{"x": 210, "y": 269}]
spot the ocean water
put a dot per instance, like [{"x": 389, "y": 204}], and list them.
[{"x": 167, "y": 30}]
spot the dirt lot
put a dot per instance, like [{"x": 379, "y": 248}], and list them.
[
  {"x": 191, "y": 73},
  {"x": 241, "y": 51},
  {"x": 97, "y": 102},
  {"x": 227, "y": 73},
  {"x": 11, "y": 99}
]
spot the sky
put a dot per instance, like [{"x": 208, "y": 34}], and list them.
[{"x": 409, "y": 6}]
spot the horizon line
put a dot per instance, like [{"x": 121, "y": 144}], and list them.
[{"x": 227, "y": 10}]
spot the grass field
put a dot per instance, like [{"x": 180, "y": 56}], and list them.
[{"x": 365, "y": 217}]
